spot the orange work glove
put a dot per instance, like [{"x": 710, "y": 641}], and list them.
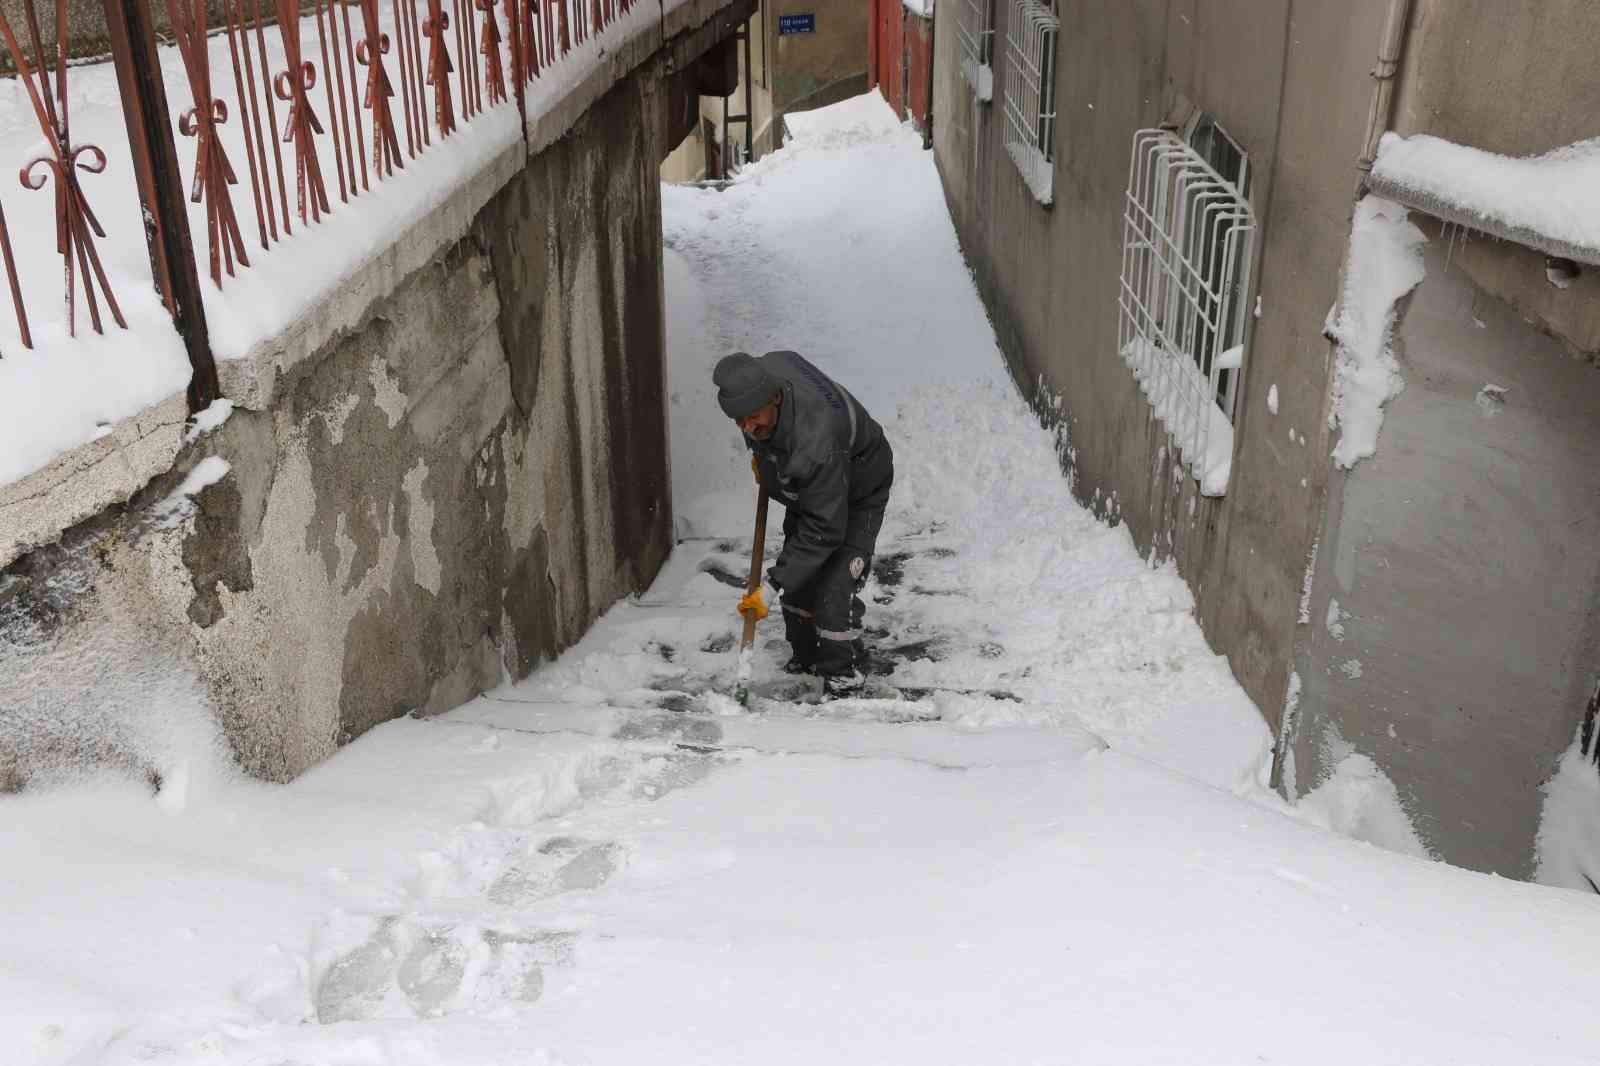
[{"x": 754, "y": 603}]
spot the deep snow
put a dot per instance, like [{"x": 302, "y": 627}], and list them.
[{"x": 569, "y": 871}]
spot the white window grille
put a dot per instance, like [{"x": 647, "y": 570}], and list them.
[
  {"x": 1030, "y": 93},
  {"x": 976, "y": 31},
  {"x": 1187, "y": 246}
]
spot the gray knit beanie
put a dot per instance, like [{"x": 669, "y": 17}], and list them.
[{"x": 743, "y": 384}]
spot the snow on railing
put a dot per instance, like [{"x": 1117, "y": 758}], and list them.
[
  {"x": 211, "y": 191},
  {"x": 76, "y": 226},
  {"x": 314, "y": 92},
  {"x": 1186, "y": 257}
]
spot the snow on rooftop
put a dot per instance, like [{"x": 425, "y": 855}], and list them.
[{"x": 1550, "y": 202}]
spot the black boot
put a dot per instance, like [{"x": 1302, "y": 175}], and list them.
[{"x": 843, "y": 686}]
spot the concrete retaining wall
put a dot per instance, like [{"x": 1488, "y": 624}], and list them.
[
  {"x": 1463, "y": 562},
  {"x": 439, "y": 481}
]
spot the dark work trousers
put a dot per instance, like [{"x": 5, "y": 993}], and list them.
[{"x": 822, "y": 620}]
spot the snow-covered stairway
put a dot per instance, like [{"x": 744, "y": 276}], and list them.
[{"x": 570, "y": 871}]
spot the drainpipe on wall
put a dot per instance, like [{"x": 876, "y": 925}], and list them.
[{"x": 1381, "y": 115}]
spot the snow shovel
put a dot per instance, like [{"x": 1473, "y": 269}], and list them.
[{"x": 742, "y": 690}]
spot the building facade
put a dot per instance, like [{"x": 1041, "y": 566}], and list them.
[
  {"x": 900, "y": 57},
  {"x": 793, "y": 55},
  {"x": 1381, "y": 487}
]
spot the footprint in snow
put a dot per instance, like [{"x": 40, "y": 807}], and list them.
[
  {"x": 408, "y": 969},
  {"x": 561, "y": 864}
]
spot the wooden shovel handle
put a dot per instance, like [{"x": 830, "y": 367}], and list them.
[{"x": 757, "y": 549}]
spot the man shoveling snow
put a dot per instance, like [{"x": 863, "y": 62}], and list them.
[{"x": 819, "y": 452}]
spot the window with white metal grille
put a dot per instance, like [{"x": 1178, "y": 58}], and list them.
[
  {"x": 975, "y": 28},
  {"x": 1188, "y": 238},
  {"x": 1030, "y": 93}
]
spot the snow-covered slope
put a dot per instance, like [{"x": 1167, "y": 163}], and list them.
[{"x": 1071, "y": 862}]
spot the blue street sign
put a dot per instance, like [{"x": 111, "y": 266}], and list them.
[{"x": 806, "y": 23}]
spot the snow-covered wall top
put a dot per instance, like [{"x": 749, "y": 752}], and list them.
[
  {"x": 87, "y": 421},
  {"x": 923, "y": 8},
  {"x": 1550, "y": 202}
]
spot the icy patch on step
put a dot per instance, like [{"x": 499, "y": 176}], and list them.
[{"x": 1359, "y": 801}]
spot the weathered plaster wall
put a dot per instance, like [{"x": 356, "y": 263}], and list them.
[
  {"x": 1462, "y": 556},
  {"x": 443, "y": 495},
  {"x": 1464, "y": 561}
]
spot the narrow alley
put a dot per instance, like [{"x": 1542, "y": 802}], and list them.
[{"x": 1057, "y": 845}]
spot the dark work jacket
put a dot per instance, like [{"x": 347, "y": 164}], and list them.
[{"x": 826, "y": 459}]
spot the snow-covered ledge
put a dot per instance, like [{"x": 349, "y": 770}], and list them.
[
  {"x": 1550, "y": 202},
  {"x": 129, "y": 452},
  {"x": 90, "y": 477}
]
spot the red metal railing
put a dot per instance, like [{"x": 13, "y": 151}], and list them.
[
  {"x": 76, "y": 225},
  {"x": 441, "y": 66}
]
